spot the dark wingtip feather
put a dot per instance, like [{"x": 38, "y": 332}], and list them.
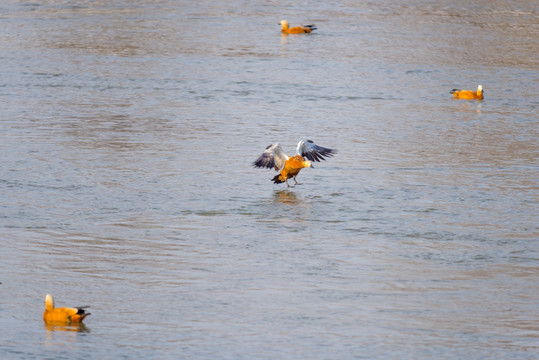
[
  {"x": 330, "y": 152},
  {"x": 264, "y": 161},
  {"x": 320, "y": 153},
  {"x": 259, "y": 163}
]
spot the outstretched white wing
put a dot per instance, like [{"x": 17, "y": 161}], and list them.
[
  {"x": 308, "y": 149},
  {"x": 272, "y": 157}
]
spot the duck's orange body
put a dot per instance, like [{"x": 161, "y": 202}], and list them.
[
  {"x": 63, "y": 315},
  {"x": 468, "y": 94},
  {"x": 296, "y": 29},
  {"x": 291, "y": 168}
]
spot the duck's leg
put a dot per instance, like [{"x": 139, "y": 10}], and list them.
[{"x": 297, "y": 183}]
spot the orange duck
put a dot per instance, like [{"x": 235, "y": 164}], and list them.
[
  {"x": 289, "y": 167},
  {"x": 468, "y": 94},
  {"x": 296, "y": 29},
  {"x": 64, "y": 315}
]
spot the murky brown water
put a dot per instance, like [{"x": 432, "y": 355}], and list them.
[{"x": 128, "y": 129}]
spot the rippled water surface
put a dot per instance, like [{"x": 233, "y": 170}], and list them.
[{"x": 128, "y": 130}]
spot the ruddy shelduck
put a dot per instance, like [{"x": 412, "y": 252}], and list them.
[
  {"x": 286, "y": 29},
  {"x": 468, "y": 94},
  {"x": 289, "y": 167},
  {"x": 63, "y": 315}
]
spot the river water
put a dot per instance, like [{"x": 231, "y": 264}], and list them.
[{"x": 127, "y": 135}]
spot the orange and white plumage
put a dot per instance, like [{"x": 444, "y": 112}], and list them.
[
  {"x": 289, "y": 167},
  {"x": 468, "y": 94},
  {"x": 286, "y": 29},
  {"x": 63, "y": 315}
]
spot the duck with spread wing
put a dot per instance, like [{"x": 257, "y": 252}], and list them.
[{"x": 288, "y": 167}]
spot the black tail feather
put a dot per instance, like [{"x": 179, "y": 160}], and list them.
[
  {"x": 276, "y": 179},
  {"x": 81, "y": 311}
]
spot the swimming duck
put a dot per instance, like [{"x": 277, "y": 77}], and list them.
[
  {"x": 468, "y": 94},
  {"x": 296, "y": 29},
  {"x": 289, "y": 167},
  {"x": 62, "y": 315}
]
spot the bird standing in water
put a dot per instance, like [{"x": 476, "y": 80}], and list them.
[{"x": 289, "y": 167}]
